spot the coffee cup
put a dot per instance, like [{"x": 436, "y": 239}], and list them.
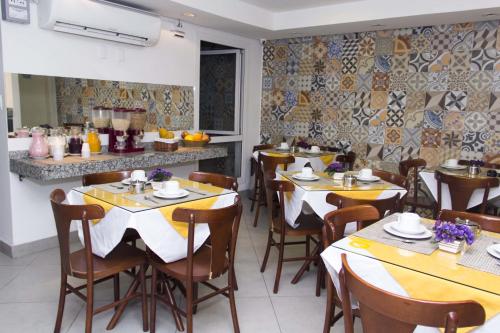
[
  {"x": 284, "y": 145},
  {"x": 307, "y": 172},
  {"x": 138, "y": 175},
  {"x": 408, "y": 223},
  {"x": 171, "y": 187},
  {"x": 315, "y": 149},
  {"x": 365, "y": 173},
  {"x": 452, "y": 162}
]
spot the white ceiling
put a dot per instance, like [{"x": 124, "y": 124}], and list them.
[
  {"x": 286, "y": 5},
  {"x": 270, "y": 19}
]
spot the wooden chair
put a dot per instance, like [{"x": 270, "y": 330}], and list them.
[
  {"x": 382, "y": 311},
  {"x": 461, "y": 190},
  {"x": 333, "y": 230},
  {"x": 208, "y": 263},
  {"x": 395, "y": 179},
  {"x": 255, "y": 169},
  {"x": 130, "y": 235},
  {"x": 487, "y": 222},
  {"x": 348, "y": 159},
  {"x": 215, "y": 179},
  {"x": 385, "y": 206},
  {"x": 411, "y": 168},
  {"x": 82, "y": 264},
  {"x": 269, "y": 163},
  {"x": 309, "y": 226}
]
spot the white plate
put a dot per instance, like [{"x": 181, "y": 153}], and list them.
[
  {"x": 370, "y": 179},
  {"x": 494, "y": 250},
  {"x": 127, "y": 181},
  {"x": 388, "y": 227},
  {"x": 181, "y": 194},
  {"x": 455, "y": 167},
  {"x": 421, "y": 230},
  {"x": 298, "y": 176}
]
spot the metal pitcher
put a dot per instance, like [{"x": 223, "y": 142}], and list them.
[
  {"x": 350, "y": 180},
  {"x": 137, "y": 187}
]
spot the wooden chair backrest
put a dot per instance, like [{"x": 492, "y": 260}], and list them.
[
  {"x": 347, "y": 159},
  {"x": 270, "y": 163},
  {"x": 105, "y": 177},
  {"x": 396, "y": 179},
  {"x": 262, "y": 147},
  {"x": 335, "y": 221},
  {"x": 487, "y": 222},
  {"x": 461, "y": 190},
  {"x": 277, "y": 188},
  {"x": 384, "y": 206},
  {"x": 64, "y": 214},
  {"x": 382, "y": 311},
  {"x": 223, "y": 224},
  {"x": 215, "y": 179},
  {"x": 410, "y": 169}
]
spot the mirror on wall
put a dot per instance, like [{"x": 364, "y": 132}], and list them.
[{"x": 52, "y": 101}]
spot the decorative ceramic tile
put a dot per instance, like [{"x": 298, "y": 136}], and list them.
[
  {"x": 360, "y": 135},
  {"x": 364, "y": 82},
  {"x": 453, "y": 120},
  {"x": 431, "y": 137},
  {"x": 455, "y": 100},
  {"x": 480, "y": 81},
  {"x": 374, "y": 151},
  {"x": 496, "y": 81},
  {"x": 483, "y": 60},
  {"x": 441, "y": 41},
  {"x": 412, "y": 137},
  {"x": 350, "y": 48},
  {"x": 495, "y": 102},
  {"x": 476, "y": 121},
  {"x": 348, "y": 82},
  {"x": 409, "y": 153},
  {"x": 384, "y": 45},
  {"x": 402, "y": 44},
  {"x": 376, "y": 134},
  {"x": 349, "y": 65},
  {"x": 366, "y": 47},
  {"x": 433, "y": 119},
  {"x": 451, "y": 139},
  {"x": 395, "y": 118},
  {"x": 417, "y": 81},
  {"x": 398, "y": 81},
  {"x": 393, "y": 135},
  {"x": 419, "y": 62},
  {"x": 478, "y": 101},
  {"x": 392, "y": 153},
  {"x": 438, "y": 81},
  {"x": 462, "y": 41},
  {"x": 435, "y": 100},
  {"x": 318, "y": 82},
  {"x": 430, "y": 155},
  {"x": 413, "y": 118},
  {"x": 380, "y": 81},
  {"x": 446, "y": 153},
  {"x": 362, "y": 99},
  {"x": 485, "y": 39},
  {"x": 440, "y": 63},
  {"x": 473, "y": 144},
  {"x": 366, "y": 64},
  {"x": 493, "y": 122},
  {"x": 306, "y": 67},
  {"x": 383, "y": 63},
  {"x": 378, "y": 99},
  {"x": 460, "y": 61},
  {"x": 458, "y": 80}
]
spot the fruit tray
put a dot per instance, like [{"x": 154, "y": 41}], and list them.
[{"x": 191, "y": 143}]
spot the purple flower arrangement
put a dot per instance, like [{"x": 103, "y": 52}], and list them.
[
  {"x": 478, "y": 163},
  {"x": 335, "y": 167},
  {"x": 303, "y": 144},
  {"x": 449, "y": 232},
  {"x": 160, "y": 175}
]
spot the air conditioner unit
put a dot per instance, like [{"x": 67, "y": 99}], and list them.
[{"x": 99, "y": 19}]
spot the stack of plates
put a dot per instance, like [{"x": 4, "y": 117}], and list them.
[
  {"x": 369, "y": 179},
  {"x": 299, "y": 176},
  {"x": 421, "y": 233},
  {"x": 164, "y": 195},
  {"x": 453, "y": 167}
]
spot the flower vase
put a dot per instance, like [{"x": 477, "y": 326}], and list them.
[{"x": 454, "y": 247}]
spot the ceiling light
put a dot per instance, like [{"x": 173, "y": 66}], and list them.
[
  {"x": 178, "y": 31},
  {"x": 189, "y": 14},
  {"x": 489, "y": 14}
]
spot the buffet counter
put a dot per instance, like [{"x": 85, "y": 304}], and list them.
[{"x": 76, "y": 166}]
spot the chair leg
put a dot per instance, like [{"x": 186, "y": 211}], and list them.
[
  {"x": 308, "y": 249},
  {"x": 152, "y": 315},
  {"x": 281, "y": 249},
  {"x": 195, "y": 296},
  {"x": 232, "y": 304},
  {"x": 256, "y": 189},
  {"x": 62, "y": 300},
  {"x": 235, "y": 282},
  {"x": 144, "y": 296},
  {"x": 268, "y": 248},
  {"x": 116, "y": 288},
  {"x": 90, "y": 307},
  {"x": 257, "y": 211},
  {"x": 330, "y": 310},
  {"x": 189, "y": 307},
  {"x": 171, "y": 299}
]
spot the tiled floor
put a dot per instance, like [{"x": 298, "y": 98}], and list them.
[{"x": 29, "y": 291}]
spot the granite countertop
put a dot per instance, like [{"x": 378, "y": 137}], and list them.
[{"x": 75, "y": 166}]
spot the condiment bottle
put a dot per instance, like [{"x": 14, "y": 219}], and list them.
[{"x": 94, "y": 141}]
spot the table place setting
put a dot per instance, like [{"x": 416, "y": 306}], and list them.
[
  {"x": 406, "y": 231},
  {"x": 115, "y": 188},
  {"x": 483, "y": 255}
]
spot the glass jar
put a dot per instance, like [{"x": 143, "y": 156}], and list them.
[
  {"x": 120, "y": 119},
  {"x": 94, "y": 141},
  {"x": 101, "y": 117},
  {"x": 75, "y": 141},
  {"x": 137, "y": 119},
  {"x": 39, "y": 147}
]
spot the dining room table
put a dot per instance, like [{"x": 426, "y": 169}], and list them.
[
  {"x": 149, "y": 215},
  {"x": 428, "y": 177},
  {"x": 420, "y": 270},
  {"x": 310, "y": 196},
  {"x": 318, "y": 161}
]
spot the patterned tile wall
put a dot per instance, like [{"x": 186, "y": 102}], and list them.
[
  {"x": 167, "y": 106},
  {"x": 432, "y": 92}
]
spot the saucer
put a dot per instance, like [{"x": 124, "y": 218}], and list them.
[
  {"x": 454, "y": 167},
  {"x": 181, "y": 194},
  {"x": 369, "y": 179},
  {"x": 388, "y": 227},
  {"x": 283, "y": 149},
  {"x": 417, "y": 232},
  {"x": 494, "y": 250},
  {"x": 313, "y": 152},
  {"x": 298, "y": 176}
]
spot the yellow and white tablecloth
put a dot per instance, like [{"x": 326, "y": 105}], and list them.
[
  {"x": 165, "y": 237},
  {"x": 428, "y": 176},
  {"x": 435, "y": 277},
  {"x": 314, "y": 195},
  {"x": 318, "y": 162}
]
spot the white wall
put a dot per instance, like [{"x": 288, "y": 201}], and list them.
[{"x": 30, "y": 50}]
